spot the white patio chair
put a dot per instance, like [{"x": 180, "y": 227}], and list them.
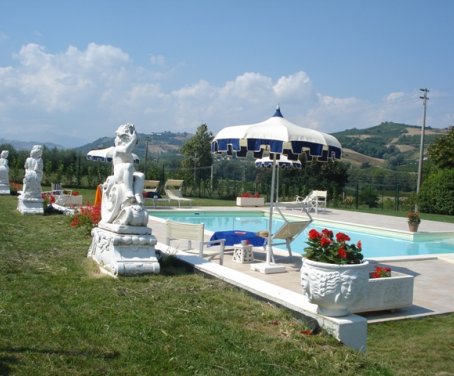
[{"x": 187, "y": 233}]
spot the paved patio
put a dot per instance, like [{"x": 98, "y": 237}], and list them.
[{"x": 433, "y": 285}]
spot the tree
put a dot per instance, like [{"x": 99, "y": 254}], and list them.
[
  {"x": 441, "y": 152},
  {"x": 197, "y": 158},
  {"x": 437, "y": 192}
]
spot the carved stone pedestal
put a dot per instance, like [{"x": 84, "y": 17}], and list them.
[
  {"x": 124, "y": 250},
  {"x": 30, "y": 205},
  {"x": 4, "y": 189}
]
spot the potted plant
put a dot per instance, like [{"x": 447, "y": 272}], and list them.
[
  {"x": 333, "y": 275},
  {"x": 413, "y": 220},
  {"x": 386, "y": 290},
  {"x": 249, "y": 199}
]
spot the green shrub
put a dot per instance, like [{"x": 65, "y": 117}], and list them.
[
  {"x": 369, "y": 196},
  {"x": 437, "y": 193}
]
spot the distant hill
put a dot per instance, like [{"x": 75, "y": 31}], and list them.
[
  {"x": 158, "y": 143},
  {"x": 376, "y": 146},
  {"x": 27, "y": 145},
  {"x": 393, "y": 142}
]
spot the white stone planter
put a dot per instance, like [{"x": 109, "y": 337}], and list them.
[
  {"x": 250, "y": 201},
  {"x": 386, "y": 293},
  {"x": 334, "y": 288}
]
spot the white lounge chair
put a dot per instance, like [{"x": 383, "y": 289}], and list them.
[
  {"x": 173, "y": 192},
  {"x": 318, "y": 200},
  {"x": 151, "y": 186},
  {"x": 313, "y": 201},
  {"x": 150, "y": 191},
  {"x": 187, "y": 233},
  {"x": 299, "y": 203}
]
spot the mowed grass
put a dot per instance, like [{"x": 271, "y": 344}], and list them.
[{"x": 60, "y": 316}]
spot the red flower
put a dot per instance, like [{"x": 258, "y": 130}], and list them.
[
  {"x": 342, "y": 253},
  {"x": 324, "y": 247},
  {"x": 341, "y": 237},
  {"x": 325, "y": 241},
  {"x": 359, "y": 245},
  {"x": 380, "y": 272},
  {"x": 314, "y": 234},
  {"x": 327, "y": 233}
]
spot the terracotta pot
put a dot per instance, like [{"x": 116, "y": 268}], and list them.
[
  {"x": 413, "y": 227},
  {"x": 334, "y": 288}
]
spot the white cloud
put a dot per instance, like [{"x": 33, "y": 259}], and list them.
[
  {"x": 157, "y": 60},
  {"x": 392, "y": 97},
  {"x": 293, "y": 88},
  {"x": 75, "y": 96}
]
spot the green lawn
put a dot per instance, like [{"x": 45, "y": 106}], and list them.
[{"x": 59, "y": 316}]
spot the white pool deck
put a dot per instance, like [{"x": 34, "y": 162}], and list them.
[{"x": 433, "y": 284}]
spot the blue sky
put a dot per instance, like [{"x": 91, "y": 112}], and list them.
[{"x": 72, "y": 71}]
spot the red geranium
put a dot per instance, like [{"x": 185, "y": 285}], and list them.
[
  {"x": 86, "y": 217},
  {"x": 342, "y": 238},
  {"x": 327, "y": 233},
  {"x": 342, "y": 253},
  {"x": 325, "y": 247},
  {"x": 324, "y": 242},
  {"x": 314, "y": 234},
  {"x": 248, "y": 194},
  {"x": 380, "y": 272}
]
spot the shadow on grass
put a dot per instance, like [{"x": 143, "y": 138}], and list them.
[
  {"x": 172, "y": 266},
  {"x": 7, "y": 361}
]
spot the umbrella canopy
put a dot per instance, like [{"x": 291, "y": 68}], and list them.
[
  {"x": 105, "y": 155},
  {"x": 276, "y": 136}
]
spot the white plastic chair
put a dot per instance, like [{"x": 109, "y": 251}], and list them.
[{"x": 187, "y": 233}]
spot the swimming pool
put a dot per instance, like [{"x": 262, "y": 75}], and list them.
[{"x": 376, "y": 243}]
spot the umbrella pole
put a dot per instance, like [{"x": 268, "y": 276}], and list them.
[{"x": 269, "y": 252}]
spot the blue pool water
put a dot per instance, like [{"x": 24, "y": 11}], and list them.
[{"x": 374, "y": 245}]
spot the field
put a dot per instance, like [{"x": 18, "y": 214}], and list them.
[{"x": 59, "y": 316}]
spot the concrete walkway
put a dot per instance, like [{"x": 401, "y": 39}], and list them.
[{"x": 434, "y": 282}]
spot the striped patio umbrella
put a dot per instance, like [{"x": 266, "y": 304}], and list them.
[{"x": 276, "y": 136}]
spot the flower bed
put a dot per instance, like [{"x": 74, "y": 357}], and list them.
[
  {"x": 250, "y": 201},
  {"x": 387, "y": 293}
]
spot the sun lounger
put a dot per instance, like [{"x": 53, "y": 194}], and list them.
[
  {"x": 313, "y": 201},
  {"x": 288, "y": 232},
  {"x": 173, "y": 192},
  {"x": 150, "y": 192}
]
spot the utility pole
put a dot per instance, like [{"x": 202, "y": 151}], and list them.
[
  {"x": 421, "y": 148},
  {"x": 146, "y": 157}
]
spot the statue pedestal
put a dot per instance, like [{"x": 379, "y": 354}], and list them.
[
  {"x": 124, "y": 250},
  {"x": 30, "y": 205},
  {"x": 4, "y": 189}
]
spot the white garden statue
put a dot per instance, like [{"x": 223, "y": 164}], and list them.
[
  {"x": 33, "y": 173},
  {"x": 30, "y": 200},
  {"x": 122, "y": 199},
  {"x": 122, "y": 243},
  {"x": 4, "y": 173}
]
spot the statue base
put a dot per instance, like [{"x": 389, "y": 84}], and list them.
[
  {"x": 124, "y": 250},
  {"x": 30, "y": 205},
  {"x": 4, "y": 189}
]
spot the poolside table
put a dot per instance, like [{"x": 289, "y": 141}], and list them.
[{"x": 236, "y": 236}]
